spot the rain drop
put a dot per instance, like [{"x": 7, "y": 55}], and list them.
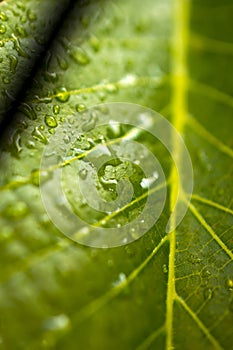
[
  {"x": 81, "y": 107},
  {"x": 2, "y": 29},
  {"x": 56, "y": 109},
  {"x": 50, "y": 121},
  {"x": 20, "y": 31},
  {"x": 121, "y": 279},
  {"x": 38, "y": 135},
  {"x": 165, "y": 269},
  {"x": 3, "y": 16},
  {"x": 57, "y": 323},
  {"x": 27, "y": 110},
  {"x": 13, "y": 63},
  {"x": 208, "y": 293},
  {"x": 18, "y": 48},
  {"x": 62, "y": 94},
  {"x": 79, "y": 56},
  {"x": 95, "y": 43},
  {"x": 17, "y": 210},
  {"x": 83, "y": 174},
  {"x": 31, "y": 15}
]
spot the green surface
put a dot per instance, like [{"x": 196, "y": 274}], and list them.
[{"x": 162, "y": 291}]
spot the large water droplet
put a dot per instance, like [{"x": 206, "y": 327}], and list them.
[
  {"x": 80, "y": 56},
  {"x": 208, "y": 293},
  {"x": 18, "y": 48},
  {"x": 16, "y": 211},
  {"x": 31, "y": 15},
  {"x": 57, "y": 323},
  {"x": 13, "y": 63},
  {"x": 56, "y": 109},
  {"x": 62, "y": 94},
  {"x": 20, "y": 31},
  {"x": 27, "y": 110},
  {"x": 38, "y": 135},
  {"x": 121, "y": 279},
  {"x": 50, "y": 121},
  {"x": 3, "y": 16},
  {"x": 81, "y": 107},
  {"x": 2, "y": 29},
  {"x": 95, "y": 43}
]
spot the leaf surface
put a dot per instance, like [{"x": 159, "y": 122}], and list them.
[{"x": 163, "y": 291}]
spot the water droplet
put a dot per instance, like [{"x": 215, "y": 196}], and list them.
[
  {"x": 18, "y": 48},
  {"x": 208, "y": 293},
  {"x": 6, "y": 80},
  {"x": 50, "y": 76},
  {"x": 194, "y": 259},
  {"x": 67, "y": 139},
  {"x": 57, "y": 323},
  {"x": 3, "y": 16},
  {"x": 27, "y": 110},
  {"x": 30, "y": 144},
  {"x": 121, "y": 279},
  {"x": 95, "y": 43},
  {"x": 13, "y": 63},
  {"x": 31, "y": 15},
  {"x": 111, "y": 88},
  {"x": 39, "y": 176},
  {"x": 62, "y": 63},
  {"x": 23, "y": 19},
  {"x": 230, "y": 284},
  {"x": 17, "y": 210},
  {"x": 2, "y": 28},
  {"x": 56, "y": 109},
  {"x": 62, "y": 94},
  {"x": 165, "y": 268},
  {"x": 38, "y": 135},
  {"x": 83, "y": 174},
  {"x": 20, "y": 31},
  {"x": 81, "y": 107},
  {"x": 205, "y": 273},
  {"x": 50, "y": 121},
  {"x": 79, "y": 56}
]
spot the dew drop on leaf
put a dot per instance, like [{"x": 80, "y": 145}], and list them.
[
  {"x": 230, "y": 284},
  {"x": 95, "y": 43},
  {"x": 121, "y": 279},
  {"x": 81, "y": 107},
  {"x": 28, "y": 111},
  {"x": 13, "y": 63},
  {"x": 38, "y": 135},
  {"x": 20, "y": 31},
  {"x": 62, "y": 94},
  {"x": 18, "y": 48},
  {"x": 39, "y": 176},
  {"x": 50, "y": 121},
  {"x": 57, "y": 323},
  {"x": 111, "y": 88},
  {"x": 62, "y": 63},
  {"x": 56, "y": 109},
  {"x": 16, "y": 211},
  {"x": 208, "y": 293},
  {"x": 165, "y": 268},
  {"x": 3, "y": 16},
  {"x": 83, "y": 174},
  {"x": 79, "y": 56},
  {"x": 6, "y": 80},
  {"x": 31, "y": 15},
  {"x": 2, "y": 28}
]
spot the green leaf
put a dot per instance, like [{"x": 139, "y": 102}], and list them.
[
  {"x": 25, "y": 29},
  {"x": 162, "y": 291}
]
